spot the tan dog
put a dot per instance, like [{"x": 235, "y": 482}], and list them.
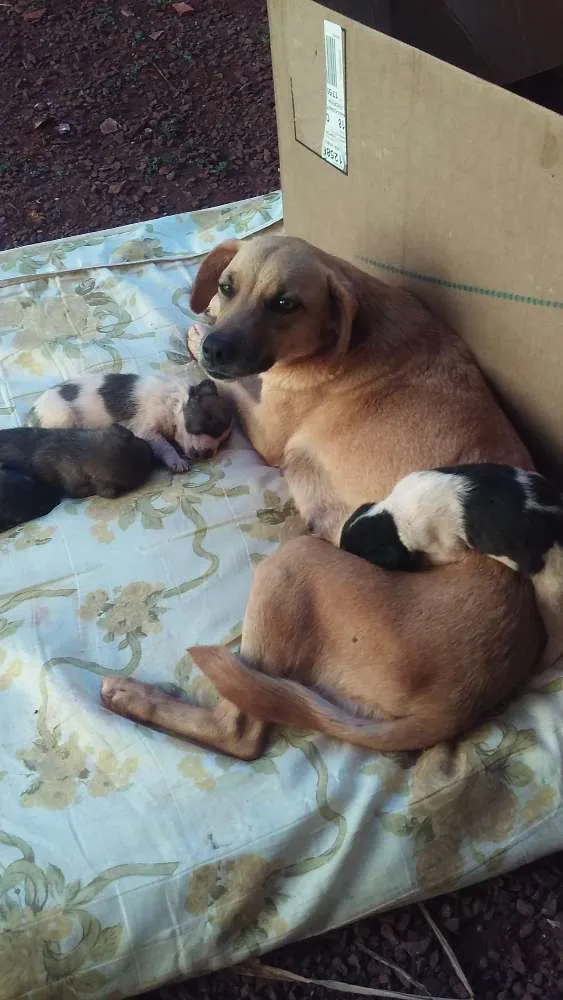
[{"x": 348, "y": 385}]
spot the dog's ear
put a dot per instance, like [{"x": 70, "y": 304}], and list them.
[
  {"x": 205, "y": 284},
  {"x": 343, "y": 306}
]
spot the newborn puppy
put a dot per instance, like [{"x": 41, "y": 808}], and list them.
[
  {"x": 77, "y": 462},
  {"x": 435, "y": 516},
  {"x": 155, "y": 407},
  {"x": 23, "y": 498},
  {"x": 208, "y": 418}
]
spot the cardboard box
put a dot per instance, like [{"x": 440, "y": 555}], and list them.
[
  {"x": 445, "y": 182},
  {"x": 500, "y": 40}
]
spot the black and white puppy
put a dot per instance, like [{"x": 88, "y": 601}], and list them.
[
  {"x": 155, "y": 407},
  {"x": 77, "y": 462},
  {"x": 434, "y": 517},
  {"x": 23, "y": 498}
]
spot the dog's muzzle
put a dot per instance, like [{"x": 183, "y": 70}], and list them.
[{"x": 227, "y": 356}]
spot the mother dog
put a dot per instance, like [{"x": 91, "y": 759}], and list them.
[{"x": 349, "y": 384}]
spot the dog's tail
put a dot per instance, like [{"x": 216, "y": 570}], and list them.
[{"x": 288, "y": 703}]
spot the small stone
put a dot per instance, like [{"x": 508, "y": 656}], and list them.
[
  {"x": 517, "y": 962},
  {"x": 108, "y": 126},
  {"x": 388, "y": 933}
]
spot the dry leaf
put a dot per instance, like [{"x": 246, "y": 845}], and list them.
[
  {"x": 183, "y": 8},
  {"x": 108, "y": 126},
  {"x": 33, "y": 15},
  {"x": 258, "y": 970},
  {"x": 35, "y": 216},
  {"x": 155, "y": 35},
  {"x": 127, "y": 13},
  {"x": 44, "y": 119},
  {"x": 116, "y": 187},
  {"x": 448, "y": 950}
]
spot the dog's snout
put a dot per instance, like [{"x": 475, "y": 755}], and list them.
[{"x": 218, "y": 350}]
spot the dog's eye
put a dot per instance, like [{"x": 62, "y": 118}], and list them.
[
  {"x": 283, "y": 304},
  {"x": 227, "y": 288}
]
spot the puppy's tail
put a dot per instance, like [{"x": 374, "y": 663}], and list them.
[{"x": 288, "y": 703}]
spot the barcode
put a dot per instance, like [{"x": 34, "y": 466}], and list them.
[{"x": 331, "y": 61}]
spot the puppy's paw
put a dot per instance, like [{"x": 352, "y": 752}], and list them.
[{"x": 177, "y": 463}]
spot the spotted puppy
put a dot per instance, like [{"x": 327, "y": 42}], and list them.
[
  {"x": 73, "y": 462},
  {"x": 155, "y": 407},
  {"x": 434, "y": 517}
]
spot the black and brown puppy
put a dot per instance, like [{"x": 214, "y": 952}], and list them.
[{"x": 78, "y": 463}]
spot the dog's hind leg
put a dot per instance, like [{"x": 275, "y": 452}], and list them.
[
  {"x": 273, "y": 603},
  {"x": 223, "y": 727}
]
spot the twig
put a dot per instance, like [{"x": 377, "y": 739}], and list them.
[
  {"x": 164, "y": 77},
  {"x": 256, "y": 970},
  {"x": 408, "y": 980},
  {"x": 448, "y": 950}
]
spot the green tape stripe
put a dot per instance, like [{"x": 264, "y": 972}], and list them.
[{"x": 460, "y": 286}]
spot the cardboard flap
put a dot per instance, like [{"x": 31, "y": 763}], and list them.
[{"x": 500, "y": 40}]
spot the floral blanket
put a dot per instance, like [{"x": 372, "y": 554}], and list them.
[{"x": 128, "y": 858}]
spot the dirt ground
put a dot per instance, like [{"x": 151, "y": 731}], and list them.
[{"x": 114, "y": 112}]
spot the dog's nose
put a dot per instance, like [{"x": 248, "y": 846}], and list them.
[{"x": 218, "y": 350}]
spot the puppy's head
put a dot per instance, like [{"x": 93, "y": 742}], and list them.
[
  {"x": 203, "y": 420},
  {"x": 371, "y": 533},
  {"x": 274, "y": 300}
]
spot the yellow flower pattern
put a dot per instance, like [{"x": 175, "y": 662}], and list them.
[
  {"x": 464, "y": 800},
  {"x": 51, "y": 945},
  {"x": 236, "y": 897},
  {"x": 61, "y": 769},
  {"x": 276, "y": 522},
  {"x": 134, "y": 610}
]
